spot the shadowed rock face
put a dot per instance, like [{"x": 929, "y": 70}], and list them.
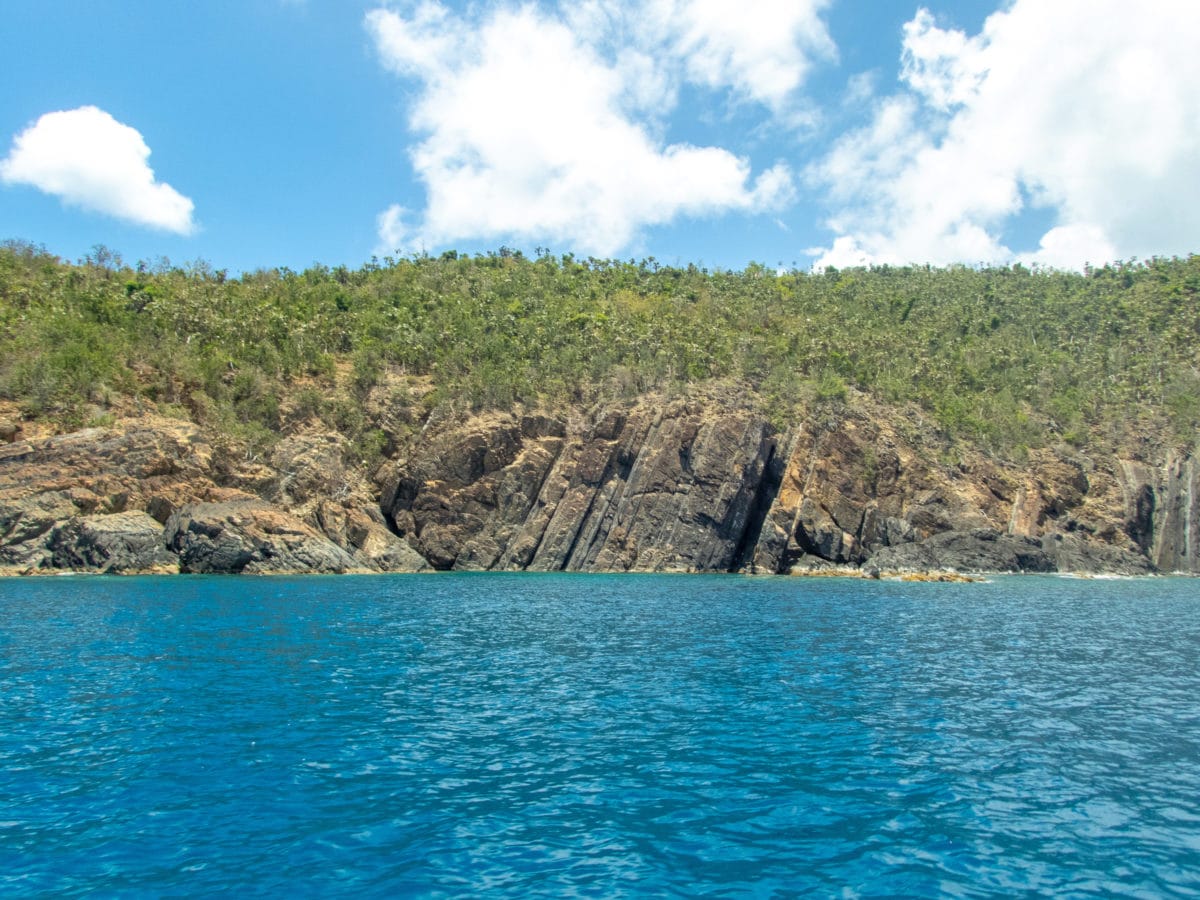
[
  {"x": 648, "y": 488},
  {"x": 704, "y": 485},
  {"x": 117, "y": 543},
  {"x": 1162, "y": 511},
  {"x": 700, "y": 484},
  {"x": 983, "y": 550}
]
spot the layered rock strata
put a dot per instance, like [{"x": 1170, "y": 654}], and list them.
[
  {"x": 702, "y": 486},
  {"x": 696, "y": 484},
  {"x": 648, "y": 488}
]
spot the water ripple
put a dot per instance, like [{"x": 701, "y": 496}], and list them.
[{"x": 598, "y": 736}]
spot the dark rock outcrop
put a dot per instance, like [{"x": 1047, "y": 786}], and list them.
[
  {"x": 1072, "y": 553},
  {"x": 248, "y": 536},
  {"x": 647, "y": 488},
  {"x": 707, "y": 485},
  {"x": 98, "y": 500},
  {"x": 701, "y": 483},
  {"x": 124, "y": 542},
  {"x": 980, "y": 550},
  {"x": 1176, "y": 543},
  {"x": 984, "y": 550}
]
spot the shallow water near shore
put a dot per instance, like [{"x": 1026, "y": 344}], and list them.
[{"x": 517, "y": 735}]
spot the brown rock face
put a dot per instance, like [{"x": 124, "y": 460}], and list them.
[
  {"x": 707, "y": 485},
  {"x": 363, "y": 534},
  {"x": 67, "y": 490},
  {"x": 855, "y": 484},
  {"x": 97, "y": 501},
  {"x": 862, "y": 483},
  {"x": 696, "y": 484},
  {"x": 654, "y": 487},
  {"x": 249, "y": 536}
]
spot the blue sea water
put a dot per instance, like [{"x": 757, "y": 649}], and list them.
[{"x": 562, "y": 735}]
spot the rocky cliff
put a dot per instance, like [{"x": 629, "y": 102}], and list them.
[
  {"x": 156, "y": 495},
  {"x": 694, "y": 484},
  {"x": 703, "y": 485}
]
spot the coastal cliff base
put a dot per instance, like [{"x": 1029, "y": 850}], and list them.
[{"x": 697, "y": 483}]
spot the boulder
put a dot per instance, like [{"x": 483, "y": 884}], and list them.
[
  {"x": 249, "y": 536},
  {"x": 367, "y": 539},
  {"x": 27, "y": 525},
  {"x": 125, "y": 542}
]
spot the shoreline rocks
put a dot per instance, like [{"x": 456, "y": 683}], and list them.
[{"x": 701, "y": 483}]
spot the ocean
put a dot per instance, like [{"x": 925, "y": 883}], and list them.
[{"x": 598, "y": 735}]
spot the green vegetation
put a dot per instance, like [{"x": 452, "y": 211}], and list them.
[{"x": 1005, "y": 357}]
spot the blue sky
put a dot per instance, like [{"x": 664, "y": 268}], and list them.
[{"x": 260, "y": 133}]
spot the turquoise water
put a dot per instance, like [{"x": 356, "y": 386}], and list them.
[{"x": 598, "y": 736}]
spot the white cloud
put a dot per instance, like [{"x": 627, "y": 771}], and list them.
[
  {"x": 845, "y": 253},
  {"x": 540, "y": 126},
  {"x": 1066, "y": 246},
  {"x": 393, "y": 233},
  {"x": 860, "y": 88},
  {"x": 1077, "y": 106},
  {"x": 774, "y": 189},
  {"x": 762, "y": 51},
  {"x": 421, "y": 47},
  {"x": 89, "y": 159},
  {"x": 763, "y": 48},
  {"x": 947, "y": 67}
]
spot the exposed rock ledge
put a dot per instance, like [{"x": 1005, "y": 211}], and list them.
[
  {"x": 153, "y": 495},
  {"x": 983, "y": 550},
  {"x": 698, "y": 484}
]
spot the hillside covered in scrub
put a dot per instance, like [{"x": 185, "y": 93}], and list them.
[
  {"x": 1007, "y": 358},
  {"x": 497, "y": 411}
]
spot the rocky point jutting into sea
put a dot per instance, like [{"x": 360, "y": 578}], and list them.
[{"x": 694, "y": 483}]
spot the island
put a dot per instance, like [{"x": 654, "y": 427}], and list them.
[{"x": 499, "y": 412}]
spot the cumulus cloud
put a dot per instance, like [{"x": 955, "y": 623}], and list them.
[
  {"x": 1065, "y": 246},
  {"x": 87, "y": 158},
  {"x": 545, "y": 126},
  {"x": 1076, "y": 107},
  {"x": 946, "y": 67},
  {"x": 763, "y": 49},
  {"x": 394, "y": 233}
]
